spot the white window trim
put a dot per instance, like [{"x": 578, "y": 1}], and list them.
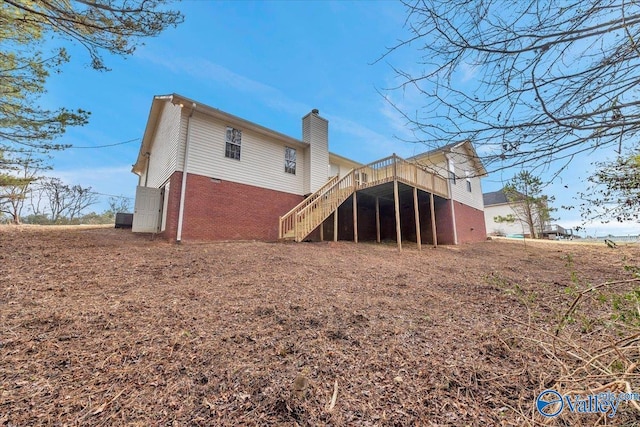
[
  {"x": 452, "y": 171},
  {"x": 230, "y": 141},
  {"x": 287, "y": 160}
]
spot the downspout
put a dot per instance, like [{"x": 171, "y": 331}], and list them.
[
  {"x": 453, "y": 208},
  {"x": 455, "y": 225},
  {"x": 146, "y": 173},
  {"x": 183, "y": 190}
]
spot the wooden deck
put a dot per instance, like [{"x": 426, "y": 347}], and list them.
[{"x": 300, "y": 221}]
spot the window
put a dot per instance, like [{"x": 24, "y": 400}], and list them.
[
  {"x": 361, "y": 178},
  {"x": 468, "y": 175},
  {"x": 233, "y": 142},
  {"x": 452, "y": 171},
  {"x": 290, "y": 160}
]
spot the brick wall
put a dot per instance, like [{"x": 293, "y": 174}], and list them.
[
  {"x": 444, "y": 221},
  {"x": 173, "y": 206},
  {"x": 470, "y": 224},
  {"x": 222, "y": 210}
]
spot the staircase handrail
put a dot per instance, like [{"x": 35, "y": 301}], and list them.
[
  {"x": 286, "y": 218},
  {"x": 328, "y": 202},
  {"x": 311, "y": 212}
]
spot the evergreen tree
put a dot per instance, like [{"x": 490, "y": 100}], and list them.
[{"x": 529, "y": 204}]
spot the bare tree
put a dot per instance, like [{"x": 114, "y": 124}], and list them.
[
  {"x": 528, "y": 81},
  {"x": 37, "y": 200},
  {"x": 57, "y": 195},
  {"x": 81, "y": 198},
  {"x": 17, "y": 175},
  {"x": 613, "y": 192},
  {"x": 119, "y": 204},
  {"x": 65, "y": 200}
]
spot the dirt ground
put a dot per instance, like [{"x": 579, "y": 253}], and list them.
[{"x": 103, "y": 327}]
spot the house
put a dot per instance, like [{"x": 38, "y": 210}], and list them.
[
  {"x": 555, "y": 231},
  {"x": 244, "y": 181},
  {"x": 497, "y": 205}
]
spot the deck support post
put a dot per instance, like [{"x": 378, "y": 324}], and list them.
[
  {"x": 396, "y": 203},
  {"x": 378, "y": 219},
  {"x": 433, "y": 221},
  {"x": 322, "y": 231},
  {"x": 417, "y": 216},
  {"x": 355, "y": 218},
  {"x": 335, "y": 225}
]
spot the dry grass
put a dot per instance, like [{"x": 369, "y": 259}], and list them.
[{"x": 102, "y": 327}]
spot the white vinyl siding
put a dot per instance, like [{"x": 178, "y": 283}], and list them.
[
  {"x": 163, "y": 160},
  {"x": 315, "y": 131},
  {"x": 493, "y": 227},
  {"x": 260, "y": 163},
  {"x": 459, "y": 191},
  {"x": 453, "y": 173},
  {"x": 344, "y": 170},
  {"x": 340, "y": 166}
]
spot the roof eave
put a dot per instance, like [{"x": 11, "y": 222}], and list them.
[
  {"x": 345, "y": 159},
  {"x": 147, "y": 138},
  {"x": 238, "y": 121}
]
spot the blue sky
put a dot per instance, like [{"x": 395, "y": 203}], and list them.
[{"x": 270, "y": 63}]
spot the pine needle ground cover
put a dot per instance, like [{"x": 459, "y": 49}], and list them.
[{"x": 102, "y": 327}]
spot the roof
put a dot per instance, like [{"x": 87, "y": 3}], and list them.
[
  {"x": 495, "y": 198},
  {"x": 185, "y": 102},
  {"x": 444, "y": 149},
  {"x": 344, "y": 159},
  {"x": 448, "y": 148}
]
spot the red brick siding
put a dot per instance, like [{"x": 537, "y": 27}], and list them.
[
  {"x": 444, "y": 221},
  {"x": 173, "y": 206},
  {"x": 231, "y": 211},
  {"x": 223, "y": 210},
  {"x": 470, "y": 224}
]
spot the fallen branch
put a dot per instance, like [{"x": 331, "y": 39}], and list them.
[
  {"x": 334, "y": 397},
  {"x": 574, "y": 304}
]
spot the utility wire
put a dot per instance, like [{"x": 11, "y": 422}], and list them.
[
  {"x": 111, "y": 195},
  {"x": 108, "y": 145}
]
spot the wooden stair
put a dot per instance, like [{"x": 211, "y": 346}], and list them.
[{"x": 300, "y": 221}]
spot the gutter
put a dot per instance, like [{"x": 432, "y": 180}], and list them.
[{"x": 183, "y": 190}]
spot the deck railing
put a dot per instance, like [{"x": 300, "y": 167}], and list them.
[
  {"x": 300, "y": 221},
  {"x": 312, "y": 215},
  {"x": 394, "y": 167},
  {"x": 287, "y": 221}
]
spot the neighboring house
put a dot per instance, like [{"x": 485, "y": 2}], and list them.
[
  {"x": 248, "y": 182},
  {"x": 555, "y": 231},
  {"x": 497, "y": 205}
]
